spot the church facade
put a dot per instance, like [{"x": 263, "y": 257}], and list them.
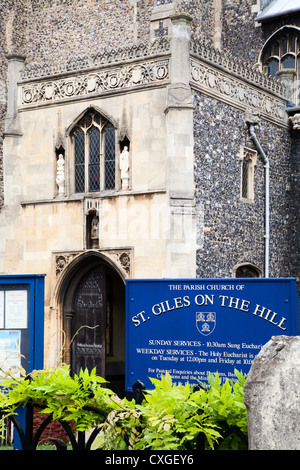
[{"x": 145, "y": 139}]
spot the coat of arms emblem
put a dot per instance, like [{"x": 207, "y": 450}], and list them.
[{"x": 205, "y": 322}]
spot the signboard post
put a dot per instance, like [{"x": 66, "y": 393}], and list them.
[{"x": 190, "y": 328}]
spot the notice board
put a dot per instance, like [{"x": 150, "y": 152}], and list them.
[
  {"x": 190, "y": 328},
  {"x": 21, "y": 323}
]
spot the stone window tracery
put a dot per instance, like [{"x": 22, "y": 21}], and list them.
[
  {"x": 94, "y": 154},
  {"x": 281, "y": 59}
]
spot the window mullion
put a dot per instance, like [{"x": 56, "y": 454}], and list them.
[
  {"x": 86, "y": 161},
  {"x": 102, "y": 169}
]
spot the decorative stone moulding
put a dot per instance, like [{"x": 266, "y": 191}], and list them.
[
  {"x": 103, "y": 58},
  {"x": 295, "y": 120},
  {"x": 237, "y": 83},
  {"x": 121, "y": 257},
  {"x": 206, "y": 52},
  {"x": 148, "y": 64},
  {"x": 83, "y": 85},
  {"x": 237, "y": 92}
]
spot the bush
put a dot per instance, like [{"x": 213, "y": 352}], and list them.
[{"x": 171, "y": 417}]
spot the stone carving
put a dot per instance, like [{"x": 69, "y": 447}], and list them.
[
  {"x": 206, "y": 52},
  {"x": 106, "y": 57},
  {"x": 122, "y": 257},
  {"x": 234, "y": 91},
  {"x": 125, "y": 76},
  {"x": 295, "y": 121},
  {"x": 287, "y": 78},
  {"x": 60, "y": 175},
  {"x": 91, "y": 204},
  {"x": 61, "y": 262},
  {"x": 179, "y": 96},
  {"x": 124, "y": 167},
  {"x": 215, "y": 73},
  {"x": 94, "y": 228}
]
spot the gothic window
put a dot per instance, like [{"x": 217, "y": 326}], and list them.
[
  {"x": 282, "y": 54},
  {"x": 248, "y": 161},
  {"x": 247, "y": 270},
  {"x": 245, "y": 177},
  {"x": 94, "y": 154}
]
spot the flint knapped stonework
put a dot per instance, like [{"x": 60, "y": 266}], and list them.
[{"x": 220, "y": 131}]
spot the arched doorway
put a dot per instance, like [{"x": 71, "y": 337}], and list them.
[{"x": 93, "y": 305}]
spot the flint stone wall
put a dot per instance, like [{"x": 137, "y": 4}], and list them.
[{"x": 272, "y": 396}]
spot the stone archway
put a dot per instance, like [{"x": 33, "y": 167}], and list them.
[{"x": 91, "y": 298}]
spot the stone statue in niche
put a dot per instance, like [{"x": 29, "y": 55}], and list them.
[
  {"x": 60, "y": 174},
  {"x": 94, "y": 228},
  {"x": 124, "y": 167}
]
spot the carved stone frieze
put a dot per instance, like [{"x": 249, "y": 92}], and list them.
[
  {"x": 237, "y": 92},
  {"x": 207, "y": 53},
  {"x": 83, "y": 85},
  {"x": 212, "y": 72}
]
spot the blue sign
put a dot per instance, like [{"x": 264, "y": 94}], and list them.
[
  {"x": 22, "y": 318},
  {"x": 21, "y": 329},
  {"x": 190, "y": 328}
]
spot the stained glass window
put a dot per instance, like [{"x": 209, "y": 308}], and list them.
[{"x": 94, "y": 154}]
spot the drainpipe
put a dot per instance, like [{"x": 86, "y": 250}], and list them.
[{"x": 267, "y": 197}]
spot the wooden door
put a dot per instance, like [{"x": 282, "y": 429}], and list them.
[{"x": 89, "y": 323}]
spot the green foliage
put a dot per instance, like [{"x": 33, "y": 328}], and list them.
[
  {"x": 208, "y": 411},
  {"x": 173, "y": 418},
  {"x": 170, "y": 417},
  {"x": 224, "y": 403},
  {"x": 58, "y": 393}
]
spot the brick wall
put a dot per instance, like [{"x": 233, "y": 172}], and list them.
[{"x": 54, "y": 430}]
